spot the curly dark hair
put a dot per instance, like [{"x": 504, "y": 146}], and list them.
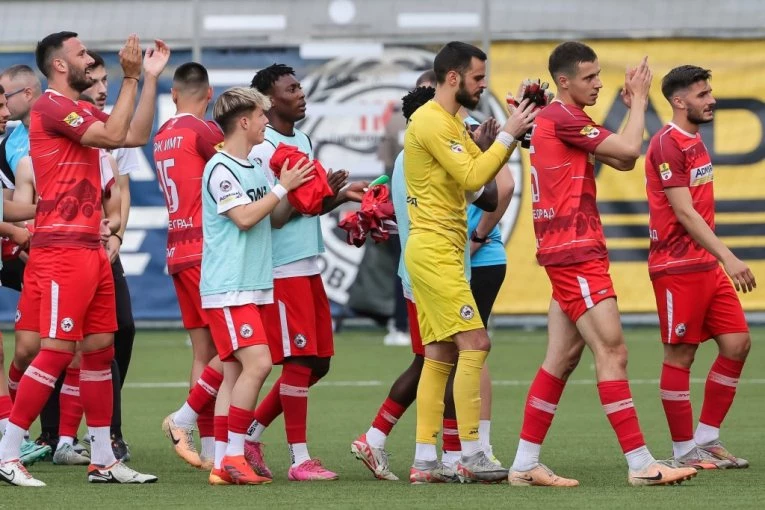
[
  {"x": 416, "y": 98},
  {"x": 266, "y": 77}
]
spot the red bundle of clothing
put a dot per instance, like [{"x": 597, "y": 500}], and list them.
[
  {"x": 376, "y": 218},
  {"x": 307, "y": 198},
  {"x": 11, "y": 250}
]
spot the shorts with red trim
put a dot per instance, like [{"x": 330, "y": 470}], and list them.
[
  {"x": 235, "y": 327},
  {"x": 28, "y": 307},
  {"x": 76, "y": 292},
  {"x": 694, "y": 307},
  {"x": 414, "y": 328},
  {"x": 299, "y": 322},
  {"x": 579, "y": 287},
  {"x": 186, "y": 284}
]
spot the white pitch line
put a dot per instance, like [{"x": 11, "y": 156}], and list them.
[{"x": 500, "y": 382}]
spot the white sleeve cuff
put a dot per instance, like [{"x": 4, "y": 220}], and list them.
[
  {"x": 279, "y": 190},
  {"x": 505, "y": 139}
]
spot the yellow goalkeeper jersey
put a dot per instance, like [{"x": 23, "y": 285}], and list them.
[{"x": 442, "y": 162}]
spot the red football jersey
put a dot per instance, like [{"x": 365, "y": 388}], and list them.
[
  {"x": 676, "y": 158},
  {"x": 67, "y": 174},
  {"x": 182, "y": 147},
  {"x": 566, "y": 218}
]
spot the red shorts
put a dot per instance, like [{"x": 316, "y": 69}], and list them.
[
  {"x": 235, "y": 327},
  {"x": 414, "y": 328},
  {"x": 299, "y": 322},
  {"x": 579, "y": 287},
  {"x": 186, "y": 284},
  {"x": 74, "y": 291},
  {"x": 694, "y": 307},
  {"x": 28, "y": 307}
]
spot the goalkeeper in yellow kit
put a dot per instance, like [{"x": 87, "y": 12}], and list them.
[{"x": 442, "y": 162}]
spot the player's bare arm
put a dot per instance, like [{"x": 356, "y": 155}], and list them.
[
  {"x": 621, "y": 150},
  {"x": 113, "y": 133},
  {"x": 123, "y": 185},
  {"x": 154, "y": 63},
  {"x": 113, "y": 205},
  {"x": 505, "y": 188},
  {"x": 25, "y": 182},
  {"x": 247, "y": 216},
  {"x": 682, "y": 205},
  {"x": 487, "y": 200}
]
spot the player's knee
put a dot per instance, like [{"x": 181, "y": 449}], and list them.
[
  {"x": 260, "y": 368},
  {"x": 203, "y": 352},
  {"x": 24, "y": 355},
  {"x": 320, "y": 368},
  {"x": 739, "y": 349},
  {"x": 614, "y": 355},
  {"x": 680, "y": 355}
]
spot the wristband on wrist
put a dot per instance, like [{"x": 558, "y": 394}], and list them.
[
  {"x": 505, "y": 139},
  {"x": 117, "y": 236},
  {"x": 130, "y": 78},
  {"x": 279, "y": 191}
]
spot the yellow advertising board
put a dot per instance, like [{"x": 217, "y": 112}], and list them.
[{"x": 735, "y": 140}]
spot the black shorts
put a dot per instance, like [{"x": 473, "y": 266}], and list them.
[{"x": 485, "y": 282}]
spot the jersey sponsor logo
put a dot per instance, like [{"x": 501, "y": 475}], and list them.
[
  {"x": 230, "y": 197},
  {"x": 300, "y": 341},
  {"x": 225, "y": 186},
  {"x": 665, "y": 171},
  {"x": 467, "y": 312},
  {"x": 246, "y": 331},
  {"x": 257, "y": 194},
  {"x": 257, "y": 161},
  {"x": 590, "y": 131},
  {"x": 680, "y": 330},
  {"x": 411, "y": 200},
  {"x": 67, "y": 324},
  {"x": 74, "y": 119},
  {"x": 702, "y": 175}
]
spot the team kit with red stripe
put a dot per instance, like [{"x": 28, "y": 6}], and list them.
[{"x": 69, "y": 298}]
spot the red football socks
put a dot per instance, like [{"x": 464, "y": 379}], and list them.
[{"x": 617, "y": 403}]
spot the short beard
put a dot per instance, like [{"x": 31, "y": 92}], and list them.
[
  {"x": 79, "y": 80},
  {"x": 465, "y": 99},
  {"x": 698, "y": 119}
]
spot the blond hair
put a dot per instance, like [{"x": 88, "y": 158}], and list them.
[{"x": 235, "y": 102}]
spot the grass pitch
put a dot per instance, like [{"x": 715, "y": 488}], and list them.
[{"x": 580, "y": 444}]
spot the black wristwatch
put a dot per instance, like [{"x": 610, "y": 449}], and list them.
[{"x": 480, "y": 240}]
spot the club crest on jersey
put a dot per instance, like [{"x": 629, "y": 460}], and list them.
[
  {"x": 258, "y": 161},
  {"x": 245, "y": 331},
  {"x": 67, "y": 324},
  {"x": 680, "y": 330},
  {"x": 467, "y": 312},
  {"x": 300, "y": 341},
  {"x": 18, "y": 315},
  {"x": 219, "y": 147},
  {"x": 590, "y": 131},
  {"x": 74, "y": 119},
  {"x": 225, "y": 186},
  {"x": 665, "y": 171},
  {"x": 702, "y": 175},
  {"x": 456, "y": 147}
]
